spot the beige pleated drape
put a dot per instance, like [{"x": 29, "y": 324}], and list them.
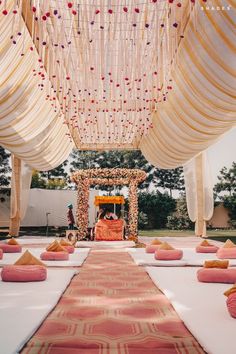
[
  {"x": 199, "y": 192},
  {"x": 202, "y": 105},
  {"x": 31, "y": 127},
  {"x": 200, "y": 108}
]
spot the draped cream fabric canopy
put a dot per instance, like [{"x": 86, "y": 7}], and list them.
[
  {"x": 30, "y": 127},
  {"x": 90, "y": 62},
  {"x": 155, "y": 75},
  {"x": 202, "y": 105}
]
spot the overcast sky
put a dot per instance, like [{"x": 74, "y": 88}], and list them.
[{"x": 223, "y": 153}]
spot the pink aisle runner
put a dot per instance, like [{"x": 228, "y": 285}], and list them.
[{"x": 112, "y": 307}]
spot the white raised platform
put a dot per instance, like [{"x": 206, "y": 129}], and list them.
[
  {"x": 24, "y": 306},
  {"x": 105, "y": 244},
  {"x": 201, "y": 306}
]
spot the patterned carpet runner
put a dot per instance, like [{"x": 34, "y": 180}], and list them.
[{"x": 112, "y": 307}]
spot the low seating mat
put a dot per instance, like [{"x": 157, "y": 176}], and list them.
[
  {"x": 190, "y": 258},
  {"x": 24, "y": 306},
  {"x": 76, "y": 259},
  {"x": 105, "y": 244},
  {"x": 201, "y": 306}
]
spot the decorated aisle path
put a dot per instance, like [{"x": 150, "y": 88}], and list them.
[{"x": 112, "y": 307}]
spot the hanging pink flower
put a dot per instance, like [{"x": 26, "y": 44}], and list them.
[{"x": 70, "y": 5}]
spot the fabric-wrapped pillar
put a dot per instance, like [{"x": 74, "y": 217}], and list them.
[
  {"x": 20, "y": 187},
  {"x": 15, "y": 197},
  {"x": 199, "y": 192}
]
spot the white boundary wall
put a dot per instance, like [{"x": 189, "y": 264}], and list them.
[{"x": 42, "y": 201}]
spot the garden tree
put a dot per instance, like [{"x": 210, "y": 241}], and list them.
[
  {"x": 82, "y": 160},
  {"x": 41, "y": 182},
  {"x": 56, "y": 183},
  {"x": 57, "y": 178},
  {"x": 227, "y": 180},
  {"x": 111, "y": 159},
  {"x": 226, "y": 190},
  {"x": 179, "y": 220},
  {"x": 169, "y": 179},
  {"x": 37, "y": 181},
  {"x": 5, "y": 168},
  {"x": 157, "y": 206},
  {"x": 58, "y": 172},
  {"x": 142, "y": 220},
  {"x": 230, "y": 204}
]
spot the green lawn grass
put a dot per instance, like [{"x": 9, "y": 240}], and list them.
[{"x": 220, "y": 235}]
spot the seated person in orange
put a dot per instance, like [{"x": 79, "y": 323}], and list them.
[
  {"x": 109, "y": 230},
  {"x": 109, "y": 215}
]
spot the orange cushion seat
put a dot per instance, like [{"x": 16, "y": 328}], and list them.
[{"x": 109, "y": 230}]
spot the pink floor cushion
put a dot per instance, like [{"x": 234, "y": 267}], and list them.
[
  {"x": 54, "y": 256},
  {"x": 23, "y": 273},
  {"x": 1, "y": 253},
  {"x": 10, "y": 248},
  {"x": 168, "y": 255},
  {"x": 207, "y": 249},
  {"x": 226, "y": 253},
  {"x": 70, "y": 249},
  {"x": 152, "y": 248},
  {"x": 217, "y": 275},
  {"x": 231, "y": 304}
]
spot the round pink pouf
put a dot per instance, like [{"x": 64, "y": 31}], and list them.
[
  {"x": 23, "y": 273},
  {"x": 226, "y": 253},
  {"x": 70, "y": 249},
  {"x": 217, "y": 275},
  {"x": 54, "y": 256},
  {"x": 151, "y": 248},
  {"x": 168, "y": 255},
  {"x": 10, "y": 248},
  {"x": 207, "y": 249},
  {"x": 231, "y": 304}
]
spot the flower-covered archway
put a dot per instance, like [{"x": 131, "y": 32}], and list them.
[{"x": 105, "y": 176}]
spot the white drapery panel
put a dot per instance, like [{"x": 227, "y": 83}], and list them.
[
  {"x": 202, "y": 105},
  {"x": 20, "y": 184},
  {"x": 31, "y": 127},
  {"x": 199, "y": 192}
]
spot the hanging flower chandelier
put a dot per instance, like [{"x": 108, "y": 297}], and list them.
[{"x": 109, "y": 63}]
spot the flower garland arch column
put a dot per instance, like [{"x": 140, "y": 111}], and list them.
[
  {"x": 119, "y": 176},
  {"x": 133, "y": 210},
  {"x": 82, "y": 206}
]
